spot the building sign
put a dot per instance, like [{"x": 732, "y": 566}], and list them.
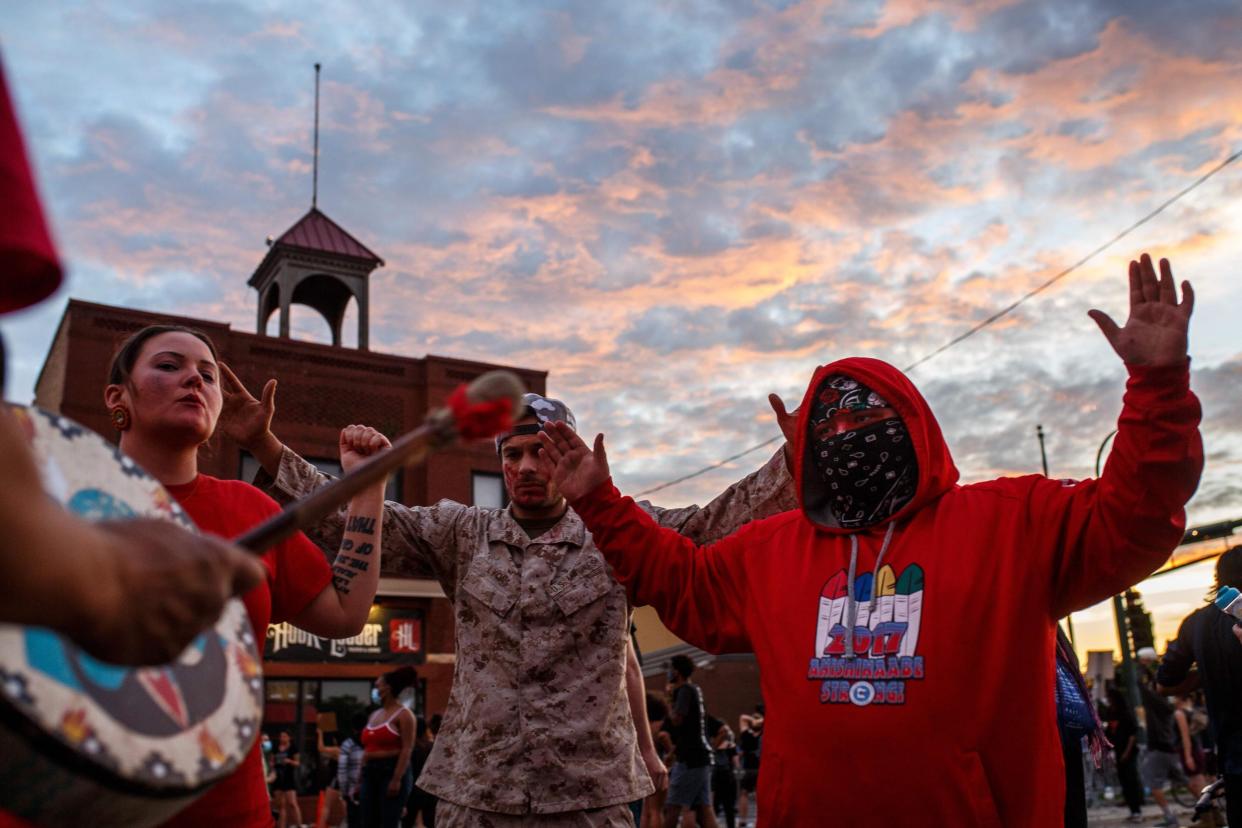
[{"x": 391, "y": 635}]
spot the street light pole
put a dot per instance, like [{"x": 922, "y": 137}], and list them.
[
  {"x": 1043, "y": 459},
  {"x": 1043, "y": 455},
  {"x": 1119, "y": 611}
]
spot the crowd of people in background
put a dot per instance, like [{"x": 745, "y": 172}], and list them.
[
  {"x": 1183, "y": 735},
  {"x": 716, "y": 777},
  {"x": 1178, "y": 751},
  {"x": 372, "y": 744},
  {"x": 713, "y": 769}
]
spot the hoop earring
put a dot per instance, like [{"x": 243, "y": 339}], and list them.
[{"x": 120, "y": 417}]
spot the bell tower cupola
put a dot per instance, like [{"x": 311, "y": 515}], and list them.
[{"x": 315, "y": 263}]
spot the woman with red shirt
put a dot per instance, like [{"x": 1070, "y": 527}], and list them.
[
  {"x": 386, "y": 742},
  {"x": 164, "y": 397}
]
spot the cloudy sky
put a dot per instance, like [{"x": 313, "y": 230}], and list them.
[{"x": 674, "y": 208}]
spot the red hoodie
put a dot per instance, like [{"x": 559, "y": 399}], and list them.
[{"x": 946, "y": 716}]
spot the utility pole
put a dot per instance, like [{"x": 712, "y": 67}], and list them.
[
  {"x": 1119, "y": 614},
  {"x": 1043, "y": 455},
  {"x": 1043, "y": 460}
]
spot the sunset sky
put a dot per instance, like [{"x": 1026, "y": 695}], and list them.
[{"x": 675, "y": 208}]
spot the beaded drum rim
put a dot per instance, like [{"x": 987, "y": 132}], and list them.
[{"x": 165, "y": 731}]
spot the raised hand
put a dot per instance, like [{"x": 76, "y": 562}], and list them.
[
  {"x": 1156, "y": 332},
  {"x": 787, "y": 420},
  {"x": 578, "y": 469},
  {"x": 243, "y": 418},
  {"x": 358, "y": 442}
]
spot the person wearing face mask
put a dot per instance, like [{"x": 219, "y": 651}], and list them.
[
  {"x": 386, "y": 741},
  {"x": 904, "y": 624}
]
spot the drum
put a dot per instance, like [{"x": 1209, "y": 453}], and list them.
[{"x": 88, "y": 743}]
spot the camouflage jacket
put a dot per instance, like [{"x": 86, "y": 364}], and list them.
[{"x": 538, "y": 719}]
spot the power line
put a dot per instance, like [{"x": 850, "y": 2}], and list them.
[
  {"x": 1000, "y": 314},
  {"x": 712, "y": 467},
  {"x": 1075, "y": 266}
]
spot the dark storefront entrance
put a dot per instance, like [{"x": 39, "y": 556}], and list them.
[{"x": 315, "y": 686}]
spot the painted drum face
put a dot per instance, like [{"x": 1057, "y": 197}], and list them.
[{"x": 166, "y": 732}]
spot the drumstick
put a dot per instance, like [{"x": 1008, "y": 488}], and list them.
[{"x": 486, "y": 407}]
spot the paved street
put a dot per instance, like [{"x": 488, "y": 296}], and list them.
[
  {"x": 1113, "y": 815},
  {"x": 1103, "y": 816}
]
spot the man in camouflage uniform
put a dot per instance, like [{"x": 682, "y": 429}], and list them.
[{"x": 546, "y": 723}]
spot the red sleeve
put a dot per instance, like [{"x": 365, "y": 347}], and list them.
[
  {"x": 299, "y": 573},
  {"x": 297, "y": 569},
  {"x": 1108, "y": 534},
  {"x": 698, "y": 591}
]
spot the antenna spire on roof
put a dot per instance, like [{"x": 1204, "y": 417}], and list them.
[{"x": 315, "y": 174}]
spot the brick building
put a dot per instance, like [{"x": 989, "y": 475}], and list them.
[{"x": 322, "y": 388}]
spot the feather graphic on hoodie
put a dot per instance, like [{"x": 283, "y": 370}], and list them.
[
  {"x": 831, "y": 606},
  {"x": 909, "y": 606},
  {"x": 885, "y": 590},
  {"x": 885, "y": 593},
  {"x": 862, "y": 599}
]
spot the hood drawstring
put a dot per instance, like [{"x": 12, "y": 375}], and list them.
[
  {"x": 851, "y": 603},
  {"x": 851, "y": 608}
]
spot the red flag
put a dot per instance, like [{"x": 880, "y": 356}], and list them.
[{"x": 29, "y": 268}]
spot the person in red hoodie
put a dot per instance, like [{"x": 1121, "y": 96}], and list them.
[{"x": 904, "y": 623}]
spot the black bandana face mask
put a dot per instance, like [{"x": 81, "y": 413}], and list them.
[{"x": 863, "y": 452}]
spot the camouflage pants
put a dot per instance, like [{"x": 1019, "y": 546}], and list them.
[{"x": 450, "y": 815}]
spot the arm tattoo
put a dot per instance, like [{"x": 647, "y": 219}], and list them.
[
  {"x": 347, "y": 567},
  {"x": 342, "y": 576},
  {"x": 361, "y": 525}
]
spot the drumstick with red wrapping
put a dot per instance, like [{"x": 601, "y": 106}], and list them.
[{"x": 484, "y": 408}]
